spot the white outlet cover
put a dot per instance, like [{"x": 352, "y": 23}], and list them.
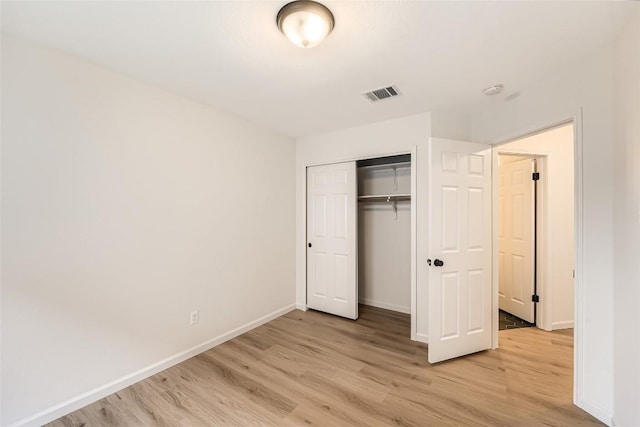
[{"x": 195, "y": 317}]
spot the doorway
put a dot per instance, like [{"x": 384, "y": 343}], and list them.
[
  {"x": 517, "y": 240},
  {"x": 535, "y": 250}
]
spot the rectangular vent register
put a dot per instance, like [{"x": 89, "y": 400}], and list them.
[{"x": 382, "y": 93}]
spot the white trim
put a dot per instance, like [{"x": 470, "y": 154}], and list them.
[
  {"x": 495, "y": 265},
  {"x": 596, "y": 411},
  {"x": 565, "y": 324},
  {"x": 579, "y": 350},
  {"x": 424, "y": 338},
  {"x": 386, "y": 306},
  {"x": 77, "y": 402},
  {"x": 301, "y": 307},
  {"x": 357, "y": 158},
  {"x": 304, "y": 237},
  {"x": 543, "y": 255},
  {"x": 414, "y": 243}
]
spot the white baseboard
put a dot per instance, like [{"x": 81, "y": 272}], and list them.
[
  {"x": 596, "y": 411},
  {"x": 386, "y": 306},
  {"x": 100, "y": 392},
  {"x": 301, "y": 306},
  {"x": 422, "y": 338},
  {"x": 566, "y": 324}
]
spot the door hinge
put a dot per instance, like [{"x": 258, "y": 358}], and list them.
[
  {"x": 535, "y": 298},
  {"x": 535, "y": 176}
]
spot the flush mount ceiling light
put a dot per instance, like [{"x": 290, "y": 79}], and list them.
[{"x": 305, "y": 23}]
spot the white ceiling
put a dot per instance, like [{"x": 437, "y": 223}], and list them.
[{"x": 230, "y": 54}]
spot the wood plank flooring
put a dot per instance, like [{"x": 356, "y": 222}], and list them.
[{"x": 309, "y": 368}]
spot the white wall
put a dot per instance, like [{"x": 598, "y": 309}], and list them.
[
  {"x": 558, "y": 260},
  {"x": 124, "y": 207},
  {"x": 375, "y": 140},
  {"x": 583, "y": 89},
  {"x": 451, "y": 124},
  {"x": 626, "y": 146},
  {"x": 384, "y": 240}
]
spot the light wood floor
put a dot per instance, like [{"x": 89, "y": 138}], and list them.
[{"x": 309, "y": 368}]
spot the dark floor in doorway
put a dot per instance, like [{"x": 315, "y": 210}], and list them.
[{"x": 509, "y": 321}]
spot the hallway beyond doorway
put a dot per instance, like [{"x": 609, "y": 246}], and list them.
[{"x": 509, "y": 321}]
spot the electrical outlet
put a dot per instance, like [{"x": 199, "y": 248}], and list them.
[{"x": 195, "y": 317}]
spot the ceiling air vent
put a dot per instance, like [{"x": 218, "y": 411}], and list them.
[{"x": 382, "y": 93}]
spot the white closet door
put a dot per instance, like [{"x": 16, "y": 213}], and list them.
[
  {"x": 516, "y": 238},
  {"x": 332, "y": 284},
  {"x": 459, "y": 249}
]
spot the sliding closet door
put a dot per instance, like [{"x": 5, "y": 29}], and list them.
[{"x": 332, "y": 284}]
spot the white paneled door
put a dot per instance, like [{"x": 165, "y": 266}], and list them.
[
  {"x": 460, "y": 302},
  {"x": 516, "y": 236},
  {"x": 332, "y": 284}
]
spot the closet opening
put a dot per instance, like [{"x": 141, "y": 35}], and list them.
[
  {"x": 384, "y": 233},
  {"x": 360, "y": 232}
]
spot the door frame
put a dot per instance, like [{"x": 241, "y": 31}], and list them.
[
  {"x": 543, "y": 282},
  {"x": 579, "y": 311},
  {"x": 414, "y": 229}
]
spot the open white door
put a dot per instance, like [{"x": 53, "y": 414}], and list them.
[
  {"x": 459, "y": 248},
  {"x": 332, "y": 284},
  {"x": 516, "y": 237}
]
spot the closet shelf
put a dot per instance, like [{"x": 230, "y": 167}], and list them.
[
  {"x": 385, "y": 198},
  {"x": 387, "y": 166}
]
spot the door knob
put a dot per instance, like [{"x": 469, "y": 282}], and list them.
[
  {"x": 309, "y": 244},
  {"x": 438, "y": 263}
]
